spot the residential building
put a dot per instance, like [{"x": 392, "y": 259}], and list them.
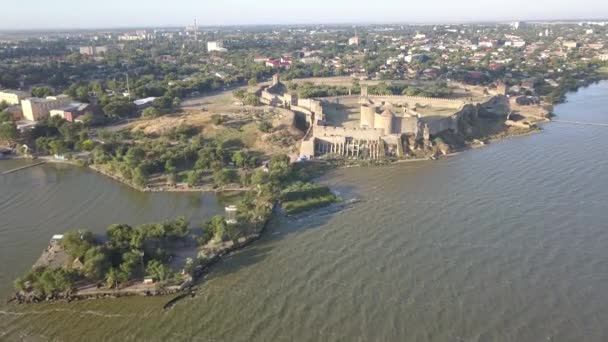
[
  {"x": 570, "y": 44},
  {"x": 133, "y": 37},
  {"x": 70, "y": 112},
  {"x": 354, "y": 41},
  {"x": 93, "y": 50},
  {"x": 36, "y": 109},
  {"x": 12, "y": 97},
  {"x": 216, "y": 46},
  {"x": 311, "y": 60}
]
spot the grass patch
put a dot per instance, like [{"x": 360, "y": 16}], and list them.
[{"x": 300, "y": 197}]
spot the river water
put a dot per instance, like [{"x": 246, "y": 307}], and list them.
[{"x": 504, "y": 243}]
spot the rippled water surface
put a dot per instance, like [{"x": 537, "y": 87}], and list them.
[{"x": 504, "y": 243}]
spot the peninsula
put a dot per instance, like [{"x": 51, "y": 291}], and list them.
[{"x": 250, "y": 114}]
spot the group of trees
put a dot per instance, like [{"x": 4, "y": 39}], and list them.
[
  {"x": 308, "y": 89},
  {"x": 180, "y": 153},
  {"x": 128, "y": 253},
  {"x": 8, "y": 128},
  {"x": 249, "y": 99},
  {"x": 57, "y": 136}
]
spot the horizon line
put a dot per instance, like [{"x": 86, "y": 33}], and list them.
[{"x": 338, "y": 23}]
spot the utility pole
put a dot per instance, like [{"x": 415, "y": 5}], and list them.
[{"x": 195, "y": 31}]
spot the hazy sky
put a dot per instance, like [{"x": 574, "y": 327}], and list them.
[{"x": 31, "y": 14}]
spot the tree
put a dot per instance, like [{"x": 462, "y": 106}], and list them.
[
  {"x": 95, "y": 263},
  {"x": 158, "y": 270},
  {"x": 120, "y": 236},
  {"x": 194, "y": 178},
  {"x": 251, "y": 100},
  {"x": 77, "y": 243},
  {"x": 221, "y": 177},
  {"x": 8, "y": 131},
  {"x": 58, "y": 146},
  {"x": 3, "y": 105},
  {"x": 279, "y": 166},
  {"x": 87, "y": 145},
  {"x": 5, "y": 116},
  {"x": 115, "y": 277},
  {"x": 119, "y": 108},
  {"x": 150, "y": 113},
  {"x": 42, "y": 91},
  {"x": 252, "y": 82},
  {"x": 50, "y": 281},
  {"x": 130, "y": 262},
  {"x": 239, "y": 159},
  {"x": 134, "y": 156},
  {"x": 163, "y": 102},
  {"x": 140, "y": 177},
  {"x": 218, "y": 227}
]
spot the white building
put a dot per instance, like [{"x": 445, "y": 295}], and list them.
[
  {"x": 216, "y": 46},
  {"x": 93, "y": 50},
  {"x": 36, "y": 109},
  {"x": 12, "y": 97}
]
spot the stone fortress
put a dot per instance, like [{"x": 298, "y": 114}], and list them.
[{"x": 386, "y": 125}]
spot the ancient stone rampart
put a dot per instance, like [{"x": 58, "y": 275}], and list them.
[{"x": 357, "y": 133}]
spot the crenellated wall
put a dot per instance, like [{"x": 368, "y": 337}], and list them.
[
  {"x": 403, "y": 99},
  {"x": 321, "y": 132}
]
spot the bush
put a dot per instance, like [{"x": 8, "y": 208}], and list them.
[
  {"x": 150, "y": 113},
  {"x": 265, "y": 126}
]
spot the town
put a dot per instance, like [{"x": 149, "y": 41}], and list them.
[{"x": 260, "y": 111}]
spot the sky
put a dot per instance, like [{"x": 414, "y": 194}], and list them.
[{"x": 37, "y": 14}]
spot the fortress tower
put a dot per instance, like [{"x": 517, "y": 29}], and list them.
[
  {"x": 364, "y": 91},
  {"x": 368, "y": 114},
  {"x": 385, "y": 121}
]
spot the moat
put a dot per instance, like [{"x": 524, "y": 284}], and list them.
[{"x": 504, "y": 243}]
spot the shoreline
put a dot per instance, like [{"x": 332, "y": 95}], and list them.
[
  {"x": 186, "y": 287},
  {"x": 138, "y": 288}
]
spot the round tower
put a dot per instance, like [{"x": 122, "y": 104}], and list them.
[
  {"x": 385, "y": 121},
  {"x": 367, "y": 116}
]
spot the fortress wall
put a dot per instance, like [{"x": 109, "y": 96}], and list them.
[
  {"x": 268, "y": 96},
  {"x": 321, "y": 132},
  {"x": 311, "y": 104},
  {"x": 307, "y": 148},
  {"x": 410, "y": 100},
  {"x": 441, "y": 124},
  {"x": 407, "y": 125},
  {"x": 304, "y": 111},
  {"x": 307, "y": 103}
]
